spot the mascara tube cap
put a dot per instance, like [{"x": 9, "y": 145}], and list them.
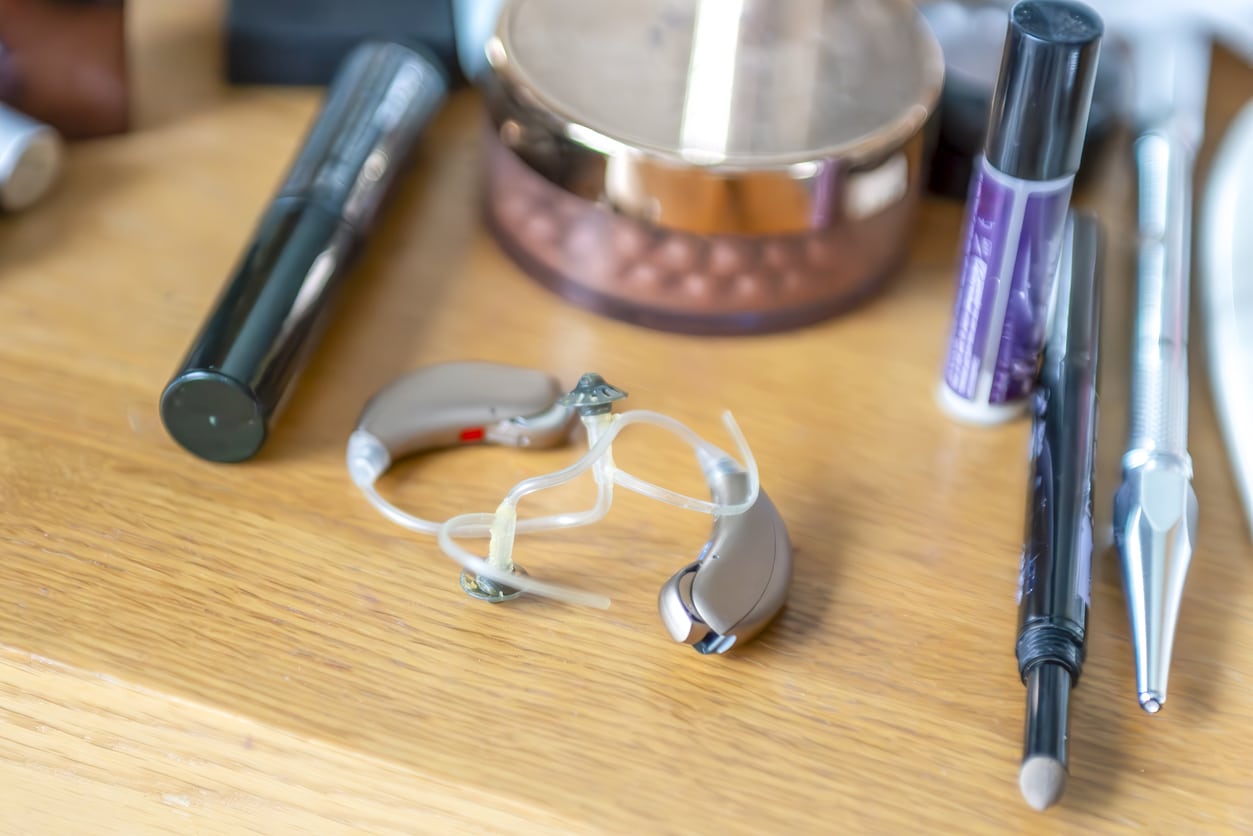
[{"x": 1039, "y": 113}]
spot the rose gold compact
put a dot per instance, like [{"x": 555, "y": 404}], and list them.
[{"x": 710, "y": 166}]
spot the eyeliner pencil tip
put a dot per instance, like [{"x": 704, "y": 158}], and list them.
[{"x": 1042, "y": 781}]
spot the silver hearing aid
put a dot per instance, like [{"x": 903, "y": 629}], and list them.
[
  {"x": 457, "y": 403},
  {"x": 736, "y": 585},
  {"x": 739, "y": 581}
]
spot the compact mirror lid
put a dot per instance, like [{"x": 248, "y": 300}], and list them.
[{"x": 808, "y": 78}]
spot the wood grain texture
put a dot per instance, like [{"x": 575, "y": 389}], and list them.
[
  {"x": 192, "y": 608},
  {"x": 81, "y": 751}
]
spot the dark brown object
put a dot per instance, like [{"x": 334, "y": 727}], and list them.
[
  {"x": 677, "y": 280},
  {"x": 64, "y": 63}
]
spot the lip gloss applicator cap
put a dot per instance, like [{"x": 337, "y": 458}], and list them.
[{"x": 1039, "y": 114}]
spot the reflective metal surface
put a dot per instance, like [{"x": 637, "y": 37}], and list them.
[
  {"x": 1155, "y": 510},
  {"x": 665, "y": 108}
]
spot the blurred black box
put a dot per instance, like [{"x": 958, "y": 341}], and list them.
[{"x": 302, "y": 42}]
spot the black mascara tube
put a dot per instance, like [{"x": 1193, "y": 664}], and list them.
[
  {"x": 270, "y": 315},
  {"x": 1055, "y": 577}
]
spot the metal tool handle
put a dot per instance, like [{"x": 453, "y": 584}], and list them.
[
  {"x": 1155, "y": 509},
  {"x": 1159, "y": 381}
]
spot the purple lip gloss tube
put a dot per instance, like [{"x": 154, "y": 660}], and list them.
[{"x": 1016, "y": 214}]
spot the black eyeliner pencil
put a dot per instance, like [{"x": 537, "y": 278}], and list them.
[{"x": 1055, "y": 577}]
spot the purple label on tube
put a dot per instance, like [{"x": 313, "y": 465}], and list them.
[
  {"x": 1013, "y": 238},
  {"x": 982, "y": 257},
  {"x": 1031, "y": 291}
]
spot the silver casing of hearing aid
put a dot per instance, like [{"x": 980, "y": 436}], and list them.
[
  {"x": 740, "y": 580},
  {"x": 430, "y": 408}
]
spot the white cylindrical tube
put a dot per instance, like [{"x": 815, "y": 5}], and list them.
[{"x": 30, "y": 159}]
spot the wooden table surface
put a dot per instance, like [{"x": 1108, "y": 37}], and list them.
[{"x": 251, "y": 648}]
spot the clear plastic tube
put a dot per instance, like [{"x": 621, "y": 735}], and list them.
[
  {"x": 602, "y": 430},
  {"x": 643, "y": 416},
  {"x": 412, "y": 522},
  {"x": 571, "y": 520}
]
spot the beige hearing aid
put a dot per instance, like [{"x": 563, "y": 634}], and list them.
[{"x": 735, "y": 586}]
